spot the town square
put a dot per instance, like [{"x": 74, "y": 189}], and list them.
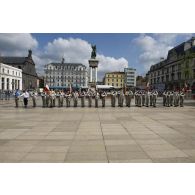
[{"x": 94, "y": 108}]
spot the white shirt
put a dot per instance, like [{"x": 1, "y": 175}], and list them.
[{"x": 25, "y": 95}]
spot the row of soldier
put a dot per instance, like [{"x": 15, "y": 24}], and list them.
[
  {"x": 49, "y": 98},
  {"x": 173, "y": 98},
  {"x": 142, "y": 98}
]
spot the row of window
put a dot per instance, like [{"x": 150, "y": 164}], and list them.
[
  {"x": 68, "y": 77},
  {"x": 6, "y": 83},
  {"x": 115, "y": 80},
  {"x": 65, "y": 68},
  {"x": 119, "y": 76},
  {"x": 7, "y": 71}
]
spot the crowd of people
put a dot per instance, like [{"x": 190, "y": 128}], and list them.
[
  {"x": 6, "y": 94},
  {"x": 59, "y": 98}
]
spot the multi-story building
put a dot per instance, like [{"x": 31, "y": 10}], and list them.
[
  {"x": 27, "y": 65},
  {"x": 130, "y": 77},
  {"x": 115, "y": 79},
  {"x": 177, "y": 70},
  {"x": 141, "y": 82},
  {"x": 10, "y": 77},
  {"x": 62, "y": 75}
]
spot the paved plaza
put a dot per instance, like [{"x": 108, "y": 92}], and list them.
[{"x": 97, "y": 135}]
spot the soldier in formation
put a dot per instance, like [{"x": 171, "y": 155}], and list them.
[
  {"x": 34, "y": 98},
  {"x": 97, "y": 95},
  {"x": 113, "y": 98},
  {"x": 90, "y": 96},
  {"x": 75, "y": 98},
  {"x": 142, "y": 98},
  {"x": 173, "y": 98},
  {"x": 83, "y": 99},
  {"x": 103, "y": 97}
]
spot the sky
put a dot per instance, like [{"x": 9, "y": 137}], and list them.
[{"x": 114, "y": 51}]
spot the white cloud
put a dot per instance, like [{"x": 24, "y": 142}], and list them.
[
  {"x": 78, "y": 50},
  {"x": 16, "y": 43},
  {"x": 153, "y": 47},
  {"x": 107, "y": 64}
]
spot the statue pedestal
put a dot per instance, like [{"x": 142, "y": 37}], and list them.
[
  {"x": 93, "y": 66},
  {"x": 93, "y": 63}
]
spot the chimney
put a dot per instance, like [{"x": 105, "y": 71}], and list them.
[{"x": 29, "y": 53}]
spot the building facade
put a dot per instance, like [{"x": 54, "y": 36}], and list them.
[
  {"x": 115, "y": 79},
  {"x": 130, "y": 77},
  {"x": 62, "y": 75},
  {"x": 177, "y": 71},
  {"x": 27, "y": 65},
  {"x": 10, "y": 78}
]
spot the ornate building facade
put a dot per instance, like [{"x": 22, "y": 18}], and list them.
[
  {"x": 177, "y": 71},
  {"x": 62, "y": 75},
  {"x": 27, "y": 65},
  {"x": 10, "y": 78}
]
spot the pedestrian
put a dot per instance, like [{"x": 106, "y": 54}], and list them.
[
  {"x": 17, "y": 95},
  {"x": 25, "y": 96}
]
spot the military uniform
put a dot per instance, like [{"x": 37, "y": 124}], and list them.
[
  {"x": 89, "y": 94},
  {"x": 96, "y": 99},
  {"x": 83, "y": 99},
  {"x": 61, "y": 99},
  {"x": 121, "y": 99},
  {"x": 118, "y": 96},
  {"x": 47, "y": 99},
  {"x": 176, "y": 98},
  {"x": 155, "y": 95},
  {"x": 68, "y": 99},
  {"x": 164, "y": 98},
  {"x": 181, "y": 98},
  {"x": 113, "y": 99},
  {"x": 139, "y": 99},
  {"x": 147, "y": 99},
  {"x": 171, "y": 98},
  {"x": 43, "y": 96},
  {"x": 143, "y": 98},
  {"x": 151, "y": 99},
  {"x": 58, "y": 98},
  {"x": 34, "y": 98},
  {"x": 136, "y": 98},
  {"x": 103, "y": 95},
  {"x": 168, "y": 99},
  {"x": 75, "y": 98}
]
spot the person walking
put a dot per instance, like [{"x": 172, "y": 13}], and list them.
[
  {"x": 25, "y": 96},
  {"x": 17, "y": 95}
]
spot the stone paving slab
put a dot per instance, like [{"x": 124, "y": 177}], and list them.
[{"x": 97, "y": 135}]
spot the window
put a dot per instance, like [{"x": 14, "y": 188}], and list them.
[{"x": 2, "y": 83}]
